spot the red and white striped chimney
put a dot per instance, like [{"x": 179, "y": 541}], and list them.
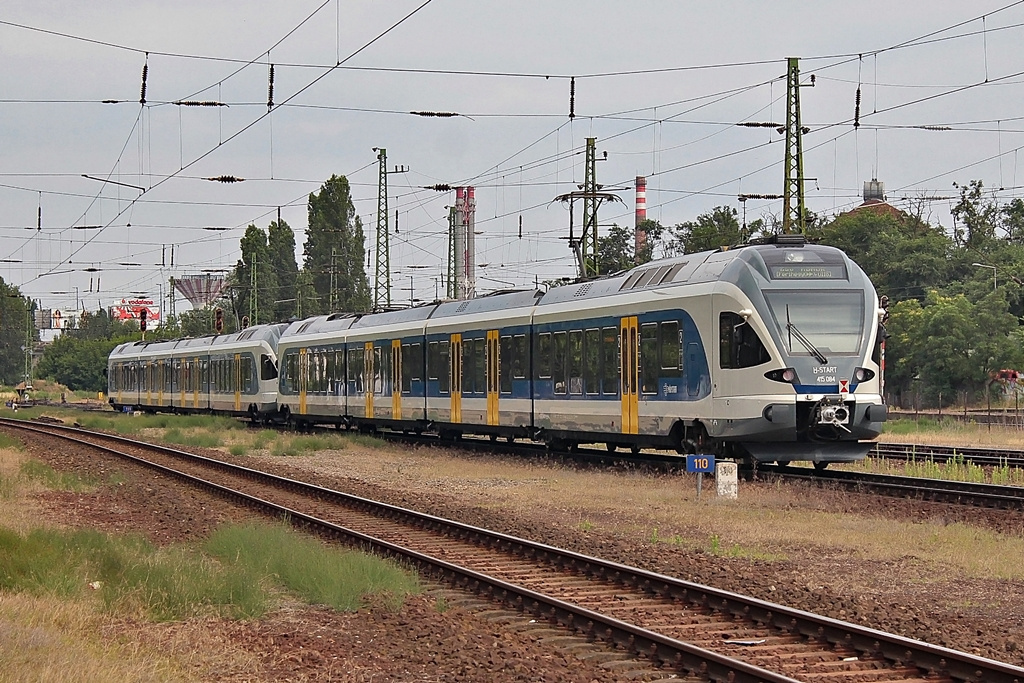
[{"x": 640, "y": 235}]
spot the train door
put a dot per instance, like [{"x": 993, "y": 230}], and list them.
[
  {"x": 369, "y": 383},
  {"x": 147, "y": 377},
  {"x": 455, "y": 357},
  {"x": 238, "y": 382},
  {"x": 396, "y": 379},
  {"x": 629, "y": 374},
  {"x": 303, "y": 379},
  {"x": 493, "y": 360},
  {"x": 160, "y": 382}
]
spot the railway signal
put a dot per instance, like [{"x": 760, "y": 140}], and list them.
[
  {"x": 143, "y": 314},
  {"x": 218, "y": 320}
]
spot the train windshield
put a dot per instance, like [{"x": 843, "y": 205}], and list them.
[{"x": 831, "y": 322}]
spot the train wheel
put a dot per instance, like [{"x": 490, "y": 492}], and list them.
[
  {"x": 494, "y": 437},
  {"x": 782, "y": 463},
  {"x": 634, "y": 449},
  {"x": 611, "y": 447},
  {"x": 821, "y": 466},
  {"x": 510, "y": 439}
]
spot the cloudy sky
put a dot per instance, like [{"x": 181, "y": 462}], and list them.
[{"x": 660, "y": 84}]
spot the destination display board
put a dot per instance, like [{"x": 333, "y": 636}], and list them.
[{"x": 807, "y": 271}]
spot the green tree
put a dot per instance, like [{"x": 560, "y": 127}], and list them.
[
  {"x": 1013, "y": 221},
  {"x": 99, "y": 325},
  {"x": 615, "y": 250},
  {"x": 14, "y": 328},
  {"x": 334, "y": 250},
  {"x": 720, "y": 228},
  {"x": 281, "y": 252},
  {"x": 904, "y": 257},
  {"x": 255, "y": 254},
  {"x": 653, "y": 232},
  {"x": 949, "y": 345},
  {"x": 78, "y": 363},
  {"x": 975, "y": 217}
]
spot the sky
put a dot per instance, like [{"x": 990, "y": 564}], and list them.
[{"x": 661, "y": 85}]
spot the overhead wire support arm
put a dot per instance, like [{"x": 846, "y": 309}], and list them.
[{"x": 585, "y": 247}]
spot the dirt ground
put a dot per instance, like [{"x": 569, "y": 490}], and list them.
[{"x": 423, "y": 642}]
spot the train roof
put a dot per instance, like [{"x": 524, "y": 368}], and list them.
[
  {"x": 785, "y": 258},
  {"x": 269, "y": 333},
  {"x": 498, "y": 301}
]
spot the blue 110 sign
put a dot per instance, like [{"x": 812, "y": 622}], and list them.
[{"x": 700, "y": 463}]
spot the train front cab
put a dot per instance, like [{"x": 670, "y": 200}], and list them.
[{"x": 794, "y": 378}]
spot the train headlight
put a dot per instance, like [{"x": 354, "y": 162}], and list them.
[
  {"x": 863, "y": 374},
  {"x": 787, "y": 375}
]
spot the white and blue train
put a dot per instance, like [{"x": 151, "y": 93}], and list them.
[{"x": 765, "y": 352}]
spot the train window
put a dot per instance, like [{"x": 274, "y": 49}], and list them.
[
  {"x": 544, "y": 355},
  {"x": 329, "y": 371},
  {"x": 292, "y": 371},
  {"x": 384, "y": 362},
  {"x": 355, "y": 371},
  {"x": 480, "y": 365},
  {"x": 576, "y": 362},
  {"x": 649, "y": 366},
  {"x": 433, "y": 360},
  {"x": 468, "y": 379},
  {"x": 669, "y": 341},
  {"x": 505, "y": 364},
  {"x": 610, "y": 360},
  {"x": 519, "y": 360},
  {"x": 339, "y": 369},
  {"x": 592, "y": 361},
  {"x": 406, "y": 369},
  {"x": 739, "y": 345},
  {"x": 443, "y": 368},
  {"x": 267, "y": 368},
  {"x": 558, "y": 361},
  {"x": 414, "y": 362}
]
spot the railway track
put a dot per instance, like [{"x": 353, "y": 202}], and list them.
[
  {"x": 680, "y": 626},
  {"x": 985, "y": 457},
  {"x": 939, "y": 490}
]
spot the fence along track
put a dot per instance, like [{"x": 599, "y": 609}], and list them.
[{"x": 686, "y": 627}]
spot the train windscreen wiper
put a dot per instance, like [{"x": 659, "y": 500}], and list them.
[{"x": 794, "y": 332}]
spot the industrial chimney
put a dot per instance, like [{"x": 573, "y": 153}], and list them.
[{"x": 640, "y": 235}]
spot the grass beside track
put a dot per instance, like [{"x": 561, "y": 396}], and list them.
[{"x": 60, "y": 588}]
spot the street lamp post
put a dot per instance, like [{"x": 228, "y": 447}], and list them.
[{"x": 985, "y": 265}]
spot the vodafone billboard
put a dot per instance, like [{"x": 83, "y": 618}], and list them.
[{"x": 128, "y": 309}]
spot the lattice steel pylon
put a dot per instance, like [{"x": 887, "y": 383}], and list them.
[
  {"x": 590, "y": 203},
  {"x": 793, "y": 214},
  {"x": 452, "y": 290},
  {"x": 254, "y": 306},
  {"x": 382, "y": 271}
]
